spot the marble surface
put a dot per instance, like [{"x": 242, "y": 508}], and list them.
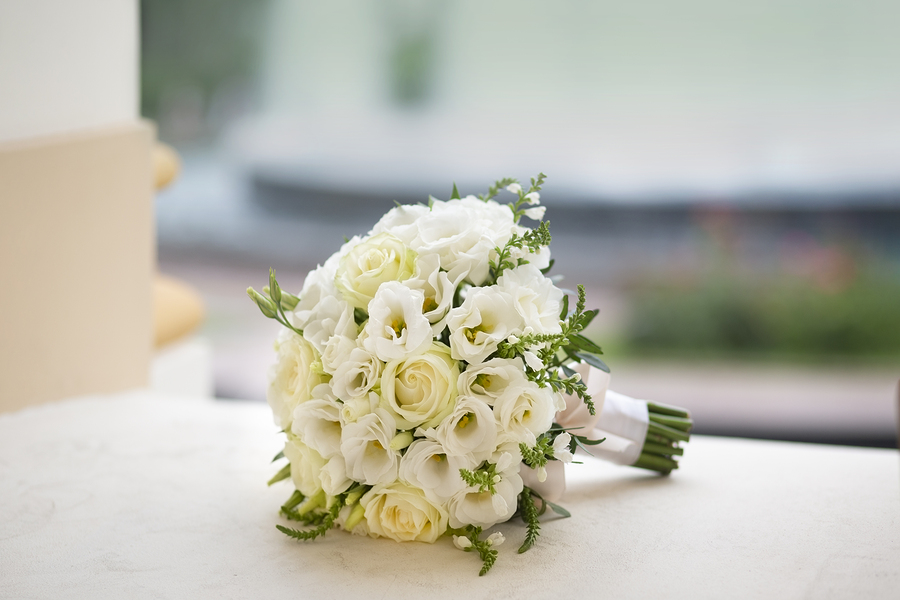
[{"x": 149, "y": 495}]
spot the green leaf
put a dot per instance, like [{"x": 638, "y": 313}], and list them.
[
  {"x": 583, "y": 343},
  {"x": 565, "y": 308},
  {"x": 589, "y": 316},
  {"x": 558, "y": 509},
  {"x": 455, "y": 194},
  {"x": 593, "y": 360},
  {"x": 281, "y": 475},
  {"x": 278, "y": 456}
]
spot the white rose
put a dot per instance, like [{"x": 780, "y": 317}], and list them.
[
  {"x": 354, "y": 408},
  {"x": 296, "y": 372},
  {"x": 428, "y": 466},
  {"x": 421, "y": 390},
  {"x": 396, "y": 327},
  {"x": 357, "y": 375},
  {"x": 536, "y": 299},
  {"x": 488, "y": 380},
  {"x": 306, "y": 465},
  {"x": 438, "y": 287},
  {"x": 486, "y": 317},
  {"x": 470, "y": 430},
  {"x": 318, "y": 423},
  {"x": 369, "y": 264},
  {"x": 483, "y": 509},
  {"x": 366, "y": 447},
  {"x": 526, "y": 411},
  {"x": 403, "y": 513}
]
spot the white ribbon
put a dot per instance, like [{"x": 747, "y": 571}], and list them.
[{"x": 622, "y": 420}]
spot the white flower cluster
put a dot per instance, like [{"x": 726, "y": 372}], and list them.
[{"x": 395, "y": 384}]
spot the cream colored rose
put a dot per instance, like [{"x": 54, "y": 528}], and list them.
[
  {"x": 297, "y": 371},
  {"x": 420, "y": 391},
  {"x": 377, "y": 260},
  {"x": 403, "y": 513}
]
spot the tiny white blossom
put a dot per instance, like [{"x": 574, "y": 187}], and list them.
[
  {"x": 536, "y": 213},
  {"x": 542, "y": 474},
  {"x": 515, "y": 188},
  {"x": 495, "y": 539},
  {"x": 532, "y": 360},
  {"x": 533, "y": 198},
  {"x": 462, "y": 542},
  {"x": 512, "y": 339},
  {"x": 561, "y": 447}
]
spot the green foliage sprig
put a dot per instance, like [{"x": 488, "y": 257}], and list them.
[
  {"x": 482, "y": 477},
  {"x": 529, "y": 513},
  {"x": 557, "y": 350},
  {"x": 484, "y": 548},
  {"x": 540, "y": 454},
  {"x": 326, "y": 523},
  {"x": 275, "y": 302},
  {"x": 533, "y": 239}
]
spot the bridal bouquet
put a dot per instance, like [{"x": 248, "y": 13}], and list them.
[{"x": 431, "y": 380}]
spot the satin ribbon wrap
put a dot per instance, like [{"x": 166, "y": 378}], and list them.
[{"x": 622, "y": 420}]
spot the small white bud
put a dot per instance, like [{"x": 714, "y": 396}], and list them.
[
  {"x": 495, "y": 539},
  {"x": 512, "y": 339},
  {"x": 462, "y": 542},
  {"x": 536, "y": 213},
  {"x": 533, "y": 198},
  {"x": 542, "y": 474},
  {"x": 515, "y": 188}
]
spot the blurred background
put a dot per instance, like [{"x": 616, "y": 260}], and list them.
[{"x": 723, "y": 176}]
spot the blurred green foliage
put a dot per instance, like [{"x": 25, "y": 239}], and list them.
[{"x": 727, "y": 316}]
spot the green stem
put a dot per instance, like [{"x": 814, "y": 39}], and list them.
[
  {"x": 656, "y": 463},
  {"x": 661, "y": 450},
  {"x": 665, "y": 409},
  {"x": 673, "y": 422},
  {"x": 668, "y": 432}
]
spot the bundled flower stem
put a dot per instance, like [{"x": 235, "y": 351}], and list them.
[{"x": 669, "y": 427}]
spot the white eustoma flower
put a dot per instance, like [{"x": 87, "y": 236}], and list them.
[
  {"x": 402, "y": 222},
  {"x": 486, "y": 317},
  {"x": 333, "y": 476},
  {"x": 482, "y": 509},
  {"x": 296, "y": 372},
  {"x": 488, "y": 380},
  {"x": 317, "y": 422},
  {"x": 332, "y": 317},
  {"x": 427, "y": 465},
  {"x": 403, "y": 513},
  {"x": 438, "y": 287},
  {"x": 464, "y": 233},
  {"x": 526, "y": 411},
  {"x": 318, "y": 291},
  {"x": 536, "y": 299},
  {"x": 374, "y": 261},
  {"x": 356, "y": 375},
  {"x": 396, "y": 328},
  {"x": 366, "y": 447},
  {"x": 420, "y": 390},
  {"x": 306, "y": 466},
  {"x": 470, "y": 430}
]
